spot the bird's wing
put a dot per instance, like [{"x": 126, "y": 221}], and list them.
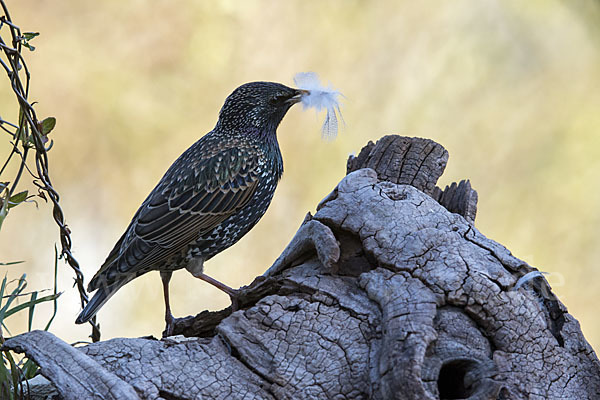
[{"x": 194, "y": 197}]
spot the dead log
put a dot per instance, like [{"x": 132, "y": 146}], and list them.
[{"x": 387, "y": 292}]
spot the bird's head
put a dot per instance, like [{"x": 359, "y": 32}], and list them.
[{"x": 258, "y": 107}]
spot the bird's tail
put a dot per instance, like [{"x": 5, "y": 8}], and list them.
[{"x": 100, "y": 297}]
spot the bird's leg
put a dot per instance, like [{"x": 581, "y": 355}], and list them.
[
  {"x": 166, "y": 277},
  {"x": 233, "y": 294},
  {"x": 196, "y": 268}
]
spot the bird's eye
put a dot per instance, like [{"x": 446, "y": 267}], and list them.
[{"x": 278, "y": 99}]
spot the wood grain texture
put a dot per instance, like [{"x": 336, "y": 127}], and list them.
[{"x": 382, "y": 294}]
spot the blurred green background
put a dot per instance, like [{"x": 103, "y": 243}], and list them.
[{"x": 510, "y": 88}]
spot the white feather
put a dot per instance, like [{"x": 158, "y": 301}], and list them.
[
  {"x": 319, "y": 98},
  {"x": 528, "y": 277}
]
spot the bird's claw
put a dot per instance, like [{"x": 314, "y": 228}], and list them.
[
  {"x": 169, "y": 326},
  {"x": 234, "y": 296}
]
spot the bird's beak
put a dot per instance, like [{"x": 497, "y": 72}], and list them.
[{"x": 297, "y": 97}]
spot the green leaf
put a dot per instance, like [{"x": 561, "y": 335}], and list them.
[
  {"x": 5, "y": 389},
  {"x": 30, "y": 303},
  {"x": 17, "y": 199},
  {"x": 11, "y": 263},
  {"x": 29, "y": 369},
  {"x": 55, "y": 288},
  {"x": 47, "y": 125},
  {"x": 27, "y": 36},
  {"x": 30, "y": 35},
  {"x": 3, "y": 208},
  {"x": 10, "y": 298},
  {"x": 2, "y": 288},
  {"x": 15, "y": 374},
  {"x": 31, "y": 309}
]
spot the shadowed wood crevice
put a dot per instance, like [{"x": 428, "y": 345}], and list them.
[
  {"x": 384, "y": 293},
  {"x": 204, "y": 324},
  {"x": 458, "y": 198}
]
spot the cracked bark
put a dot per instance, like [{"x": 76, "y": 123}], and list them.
[{"x": 387, "y": 292}]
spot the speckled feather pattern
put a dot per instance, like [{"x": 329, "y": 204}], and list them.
[{"x": 212, "y": 195}]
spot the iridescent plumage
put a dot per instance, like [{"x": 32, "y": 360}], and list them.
[{"x": 211, "y": 196}]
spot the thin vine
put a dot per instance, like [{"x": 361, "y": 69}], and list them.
[{"x": 29, "y": 140}]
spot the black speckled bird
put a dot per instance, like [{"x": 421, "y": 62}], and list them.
[{"x": 211, "y": 196}]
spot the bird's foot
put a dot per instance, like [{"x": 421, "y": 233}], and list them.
[
  {"x": 169, "y": 326},
  {"x": 234, "y": 296}
]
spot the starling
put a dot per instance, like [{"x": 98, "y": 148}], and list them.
[{"x": 211, "y": 196}]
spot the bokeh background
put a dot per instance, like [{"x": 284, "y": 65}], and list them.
[{"x": 511, "y": 88}]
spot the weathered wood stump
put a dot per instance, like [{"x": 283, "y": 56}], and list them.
[{"x": 387, "y": 292}]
